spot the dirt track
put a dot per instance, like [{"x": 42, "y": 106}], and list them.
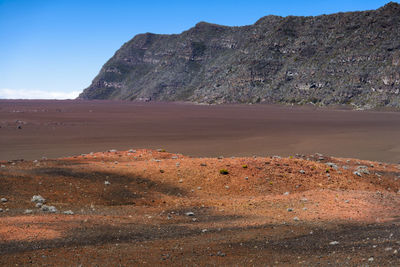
[
  {"x": 141, "y": 217},
  {"x": 62, "y": 128}
]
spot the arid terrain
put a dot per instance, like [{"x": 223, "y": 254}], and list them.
[
  {"x": 151, "y": 208},
  {"x": 208, "y": 191},
  {"x": 34, "y": 129}
]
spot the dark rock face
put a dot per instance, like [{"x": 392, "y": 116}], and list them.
[{"x": 345, "y": 58}]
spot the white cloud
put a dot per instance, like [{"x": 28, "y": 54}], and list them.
[{"x": 6, "y": 93}]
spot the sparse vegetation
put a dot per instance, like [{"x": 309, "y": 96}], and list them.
[
  {"x": 224, "y": 171},
  {"x": 244, "y": 166}
]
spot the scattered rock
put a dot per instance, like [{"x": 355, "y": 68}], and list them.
[
  {"x": 289, "y": 209},
  {"x": 107, "y": 183},
  {"x": 28, "y": 211},
  {"x": 221, "y": 254},
  {"x": 3, "y": 199},
  {"x": 50, "y": 209},
  {"x": 68, "y": 212},
  {"x": 296, "y": 219},
  {"x": 363, "y": 169},
  {"x": 39, "y": 205},
  {"x": 286, "y": 193},
  {"x": 357, "y": 173},
  {"x": 190, "y": 213},
  {"x": 302, "y": 171},
  {"x": 334, "y": 243},
  {"x": 332, "y": 165},
  {"x": 1, "y": 210},
  {"x": 38, "y": 199}
]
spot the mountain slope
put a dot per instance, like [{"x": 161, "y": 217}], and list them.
[{"x": 345, "y": 58}]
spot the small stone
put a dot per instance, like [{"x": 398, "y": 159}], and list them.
[
  {"x": 304, "y": 208},
  {"x": 39, "y": 205},
  {"x": 50, "y": 209},
  {"x": 178, "y": 164},
  {"x": 371, "y": 259},
  {"x": 289, "y": 209},
  {"x": 68, "y": 212},
  {"x": 174, "y": 157},
  {"x": 221, "y": 254},
  {"x": 112, "y": 150},
  {"x": 204, "y": 230},
  {"x": 3, "y": 199},
  {"x": 199, "y": 188},
  {"x": 107, "y": 183},
  {"x": 226, "y": 186},
  {"x": 38, "y": 199},
  {"x": 180, "y": 181},
  {"x": 1, "y": 210},
  {"x": 286, "y": 193},
  {"x": 333, "y": 243},
  {"x": 246, "y": 178},
  {"x": 302, "y": 171},
  {"x": 2, "y": 166},
  {"x": 190, "y": 213},
  {"x": 346, "y": 201},
  {"x": 357, "y": 173},
  {"x": 28, "y": 211},
  {"x": 332, "y": 165},
  {"x": 296, "y": 219},
  {"x": 203, "y": 164}
]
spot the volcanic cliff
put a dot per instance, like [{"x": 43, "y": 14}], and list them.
[{"x": 345, "y": 58}]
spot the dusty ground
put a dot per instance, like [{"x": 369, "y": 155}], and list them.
[
  {"x": 62, "y": 128},
  {"x": 265, "y": 211}
]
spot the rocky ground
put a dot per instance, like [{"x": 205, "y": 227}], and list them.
[{"x": 152, "y": 208}]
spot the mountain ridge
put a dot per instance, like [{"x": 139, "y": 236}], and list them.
[{"x": 350, "y": 58}]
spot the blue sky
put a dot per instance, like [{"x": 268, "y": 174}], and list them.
[{"x": 54, "y": 48}]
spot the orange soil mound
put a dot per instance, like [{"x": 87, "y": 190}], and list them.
[{"x": 146, "y": 195}]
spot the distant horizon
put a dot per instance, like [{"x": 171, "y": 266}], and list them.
[{"x": 53, "y": 50}]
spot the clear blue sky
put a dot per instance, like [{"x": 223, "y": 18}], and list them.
[{"x": 54, "y": 48}]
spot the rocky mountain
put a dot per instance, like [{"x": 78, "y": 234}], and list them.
[{"x": 345, "y": 58}]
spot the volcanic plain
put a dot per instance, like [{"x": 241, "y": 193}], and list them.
[{"x": 34, "y": 129}]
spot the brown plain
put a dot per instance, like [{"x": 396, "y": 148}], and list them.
[{"x": 62, "y": 128}]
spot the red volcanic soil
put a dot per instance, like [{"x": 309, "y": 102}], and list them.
[
  {"x": 63, "y": 128},
  {"x": 151, "y": 208}
]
